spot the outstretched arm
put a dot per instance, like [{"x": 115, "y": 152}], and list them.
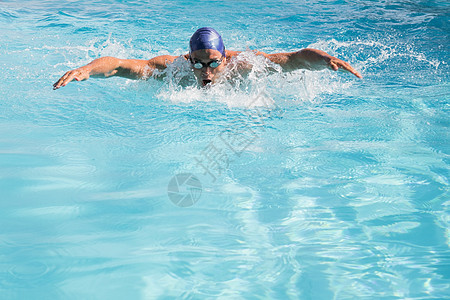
[
  {"x": 111, "y": 66},
  {"x": 310, "y": 59}
]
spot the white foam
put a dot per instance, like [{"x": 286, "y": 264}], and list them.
[{"x": 235, "y": 89}]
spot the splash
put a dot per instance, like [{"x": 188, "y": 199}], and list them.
[
  {"x": 236, "y": 88},
  {"x": 370, "y": 53}
]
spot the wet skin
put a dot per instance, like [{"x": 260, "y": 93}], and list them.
[
  {"x": 310, "y": 59},
  {"x": 207, "y": 75}
]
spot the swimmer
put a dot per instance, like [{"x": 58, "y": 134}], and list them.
[{"x": 207, "y": 57}]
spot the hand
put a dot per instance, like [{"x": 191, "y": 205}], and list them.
[
  {"x": 77, "y": 74},
  {"x": 336, "y": 64}
]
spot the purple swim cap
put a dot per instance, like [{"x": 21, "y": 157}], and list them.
[{"x": 206, "y": 38}]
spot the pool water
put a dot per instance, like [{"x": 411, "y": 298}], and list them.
[{"x": 305, "y": 185}]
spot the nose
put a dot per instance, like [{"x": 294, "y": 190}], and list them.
[{"x": 206, "y": 70}]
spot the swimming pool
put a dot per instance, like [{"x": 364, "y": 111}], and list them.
[{"x": 341, "y": 190}]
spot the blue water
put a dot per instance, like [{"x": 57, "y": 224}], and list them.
[{"x": 340, "y": 193}]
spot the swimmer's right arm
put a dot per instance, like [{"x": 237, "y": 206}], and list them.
[{"x": 110, "y": 66}]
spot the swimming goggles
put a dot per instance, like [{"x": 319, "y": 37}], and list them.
[{"x": 212, "y": 64}]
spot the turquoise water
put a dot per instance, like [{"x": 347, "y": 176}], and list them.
[{"x": 340, "y": 193}]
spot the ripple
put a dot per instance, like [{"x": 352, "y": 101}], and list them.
[
  {"x": 352, "y": 190},
  {"x": 51, "y": 211},
  {"x": 30, "y": 270},
  {"x": 345, "y": 198},
  {"x": 327, "y": 164}
]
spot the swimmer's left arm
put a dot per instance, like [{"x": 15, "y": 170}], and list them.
[{"x": 310, "y": 59}]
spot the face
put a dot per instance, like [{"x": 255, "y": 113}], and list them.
[{"x": 206, "y": 74}]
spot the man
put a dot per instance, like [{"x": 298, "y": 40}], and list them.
[{"x": 208, "y": 59}]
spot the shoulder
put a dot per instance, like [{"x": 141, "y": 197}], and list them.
[
  {"x": 229, "y": 53},
  {"x": 161, "y": 62}
]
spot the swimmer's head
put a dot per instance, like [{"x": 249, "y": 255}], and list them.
[
  {"x": 206, "y": 38},
  {"x": 207, "y": 55}
]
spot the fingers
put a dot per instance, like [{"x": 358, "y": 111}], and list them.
[
  {"x": 337, "y": 64},
  {"x": 68, "y": 77},
  {"x": 65, "y": 79},
  {"x": 350, "y": 69},
  {"x": 333, "y": 65}
]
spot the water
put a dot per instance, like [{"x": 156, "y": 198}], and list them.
[{"x": 340, "y": 193}]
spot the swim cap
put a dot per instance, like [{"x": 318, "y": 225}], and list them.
[{"x": 206, "y": 38}]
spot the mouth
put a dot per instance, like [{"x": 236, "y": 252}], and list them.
[{"x": 206, "y": 81}]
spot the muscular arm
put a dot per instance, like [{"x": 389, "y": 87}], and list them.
[
  {"x": 110, "y": 66},
  {"x": 310, "y": 59}
]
